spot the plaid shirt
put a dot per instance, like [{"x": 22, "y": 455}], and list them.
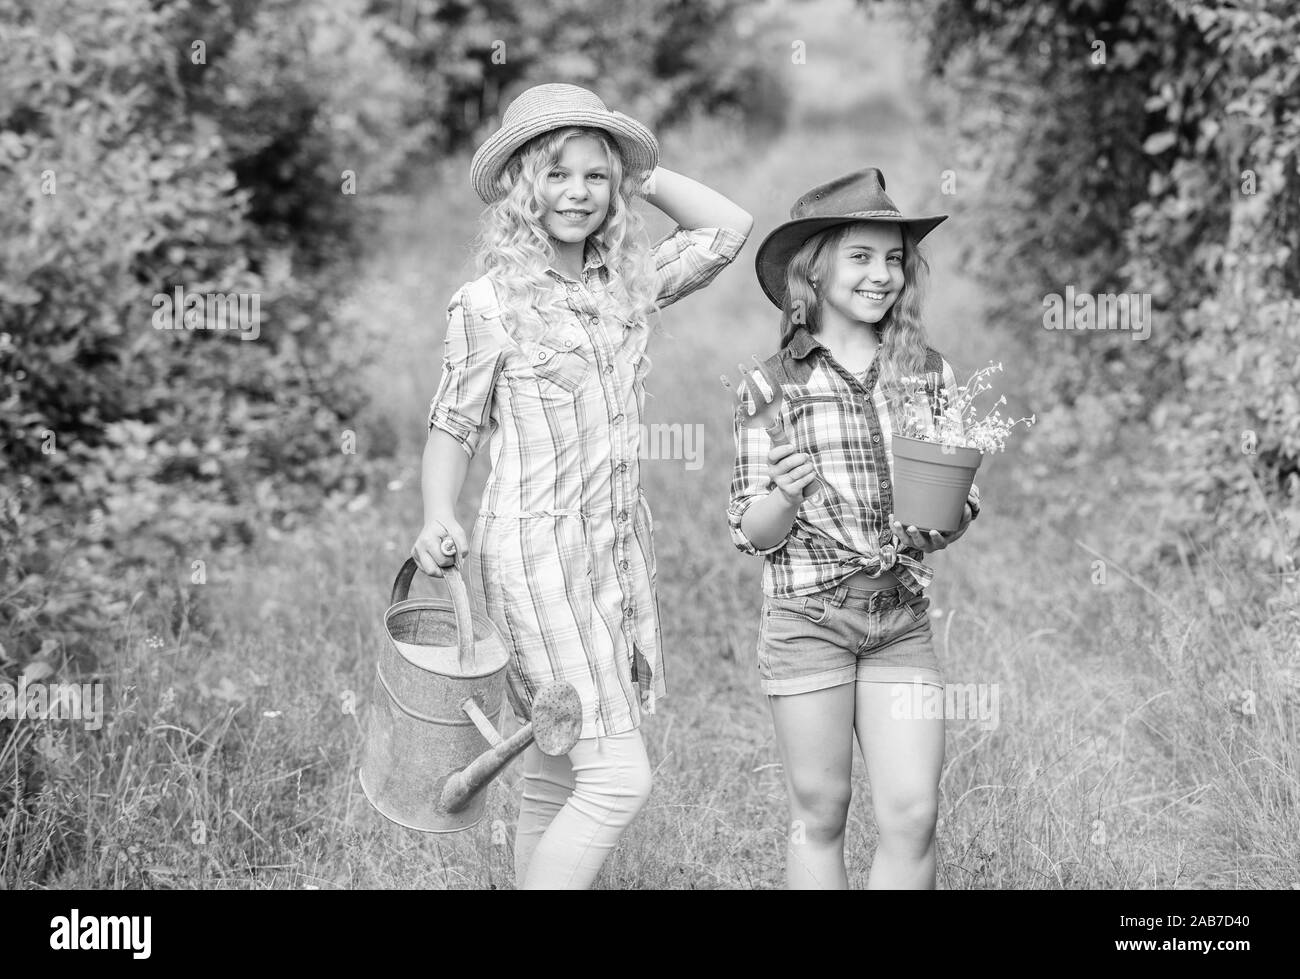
[
  {"x": 561, "y": 555},
  {"x": 842, "y": 421}
]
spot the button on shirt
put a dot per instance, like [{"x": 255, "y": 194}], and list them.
[
  {"x": 842, "y": 421},
  {"x": 562, "y": 555}
]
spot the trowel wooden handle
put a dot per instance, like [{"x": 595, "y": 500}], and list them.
[{"x": 777, "y": 433}]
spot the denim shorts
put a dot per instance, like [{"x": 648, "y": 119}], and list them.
[{"x": 846, "y": 635}]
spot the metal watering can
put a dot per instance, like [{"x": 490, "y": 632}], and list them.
[{"x": 432, "y": 742}]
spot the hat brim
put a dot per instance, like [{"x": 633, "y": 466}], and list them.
[
  {"x": 780, "y": 245},
  {"x": 638, "y": 146}
]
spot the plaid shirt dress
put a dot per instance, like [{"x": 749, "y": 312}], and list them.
[
  {"x": 562, "y": 553},
  {"x": 842, "y": 421}
]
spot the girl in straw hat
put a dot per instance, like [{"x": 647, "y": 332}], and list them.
[
  {"x": 845, "y": 633},
  {"x": 547, "y": 350}
]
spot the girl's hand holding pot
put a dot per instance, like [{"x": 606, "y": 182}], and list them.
[
  {"x": 934, "y": 540},
  {"x": 428, "y": 548}
]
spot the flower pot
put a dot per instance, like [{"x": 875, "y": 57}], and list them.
[{"x": 931, "y": 483}]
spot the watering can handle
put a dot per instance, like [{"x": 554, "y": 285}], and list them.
[{"x": 459, "y": 601}]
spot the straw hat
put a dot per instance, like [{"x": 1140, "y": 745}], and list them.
[
  {"x": 543, "y": 108},
  {"x": 859, "y": 196}
]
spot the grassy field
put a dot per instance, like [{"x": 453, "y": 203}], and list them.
[{"x": 1147, "y": 726}]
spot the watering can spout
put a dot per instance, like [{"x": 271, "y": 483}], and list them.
[
  {"x": 463, "y": 785},
  {"x": 557, "y": 720}
]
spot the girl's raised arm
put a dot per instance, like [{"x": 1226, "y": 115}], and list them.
[{"x": 693, "y": 205}]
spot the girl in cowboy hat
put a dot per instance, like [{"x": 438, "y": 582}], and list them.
[
  {"x": 845, "y": 620},
  {"x": 547, "y": 350}
]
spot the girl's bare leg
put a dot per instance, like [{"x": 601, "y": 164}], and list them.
[
  {"x": 904, "y": 761},
  {"x": 814, "y": 734}
]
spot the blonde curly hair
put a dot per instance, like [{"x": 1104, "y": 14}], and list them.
[{"x": 514, "y": 249}]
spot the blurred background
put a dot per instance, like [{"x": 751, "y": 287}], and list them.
[{"x": 208, "y": 526}]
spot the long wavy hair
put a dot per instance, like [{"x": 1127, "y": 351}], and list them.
[
  {"x": 514, "y": 249},
  {"x": 901, "y": 334}
]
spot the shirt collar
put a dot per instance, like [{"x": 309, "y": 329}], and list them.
[
  {"x": 593, "y": 257},
  {"x": 802, "y": 344}
]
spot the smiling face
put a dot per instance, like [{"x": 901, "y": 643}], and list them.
[
  {"x": 865, "y": 272},
  {"x": 575, "y": 191}
]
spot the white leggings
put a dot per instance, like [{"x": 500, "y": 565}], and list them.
[{"x": 575, "y": 807}]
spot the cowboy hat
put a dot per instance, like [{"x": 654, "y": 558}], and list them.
[
  {"x": 859, "y": 196},
  {"x": 543, "y": 108}
]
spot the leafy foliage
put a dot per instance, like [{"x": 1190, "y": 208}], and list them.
[
  {"x": 659, "y": 61},
  {"x": 130, "y": 170},
  {"x": 1150, "y": 148}
]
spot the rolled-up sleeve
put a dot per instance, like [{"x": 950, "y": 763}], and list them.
[
  {"x": 472, "y": 355},
  {"x": 689, "y": 259},
  {"x": 749, "y": 482}
]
